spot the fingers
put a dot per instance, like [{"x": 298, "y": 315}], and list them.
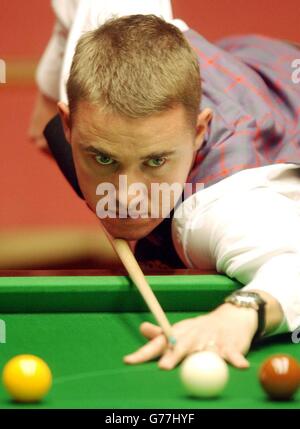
[
  {"x": 149, "y": 330},
  {"x": 150, "y": 351},
  {"x": 173, "y": 356},
  {"x": 235, "y": 358},
  {"x": 41, "y": 144},
  {"x": 189, "y": 340}
]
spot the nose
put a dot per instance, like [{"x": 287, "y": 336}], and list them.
[{"x": 132, "y": 194}]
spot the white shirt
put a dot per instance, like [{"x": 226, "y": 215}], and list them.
[{"x": 247, "y": 226}]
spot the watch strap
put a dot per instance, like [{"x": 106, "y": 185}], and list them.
[{"x": 236, "y": 298}]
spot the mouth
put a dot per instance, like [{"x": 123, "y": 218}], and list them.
[
  {"x": 124, "y": 215},
  {"x": 130, "y": 229},
  {"x": 130, "y": 219}
]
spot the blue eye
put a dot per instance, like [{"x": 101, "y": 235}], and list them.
[
  {"x": 104, "y": 160},
  {"x": 156, "y": 162}
]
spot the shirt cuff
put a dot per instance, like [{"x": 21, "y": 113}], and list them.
[
  {"x": 280, "y": 277},
  {"x": 179, "y": 23}
]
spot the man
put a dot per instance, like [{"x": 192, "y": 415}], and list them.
[{"x": 133, "y": 110}]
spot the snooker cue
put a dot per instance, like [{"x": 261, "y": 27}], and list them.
[{"x": 130, "y": 263}]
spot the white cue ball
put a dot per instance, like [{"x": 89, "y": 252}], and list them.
[{"x": 204, "y": 374}]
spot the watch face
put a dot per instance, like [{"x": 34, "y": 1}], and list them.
[{"x": 246, "y": 299}]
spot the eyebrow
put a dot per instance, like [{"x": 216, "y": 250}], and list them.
[{"x": 111, "y": 155}]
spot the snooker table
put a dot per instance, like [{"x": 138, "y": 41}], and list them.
[{"x": 82, "y": 322}]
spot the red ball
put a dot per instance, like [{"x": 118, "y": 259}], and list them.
[{"x": 280, "y": 376}]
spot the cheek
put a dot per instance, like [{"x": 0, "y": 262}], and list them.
[
  {"x": 83, "y": 166},
  {"x": 88, "y": 181}
]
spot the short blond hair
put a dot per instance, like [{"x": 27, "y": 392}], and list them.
[{"x": 135, "y": 66}]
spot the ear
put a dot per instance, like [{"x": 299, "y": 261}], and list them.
[
  {"x": 64, "y": 113},
  {"x": 203, "y": 121}
]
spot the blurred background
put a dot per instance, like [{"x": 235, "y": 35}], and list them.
[{"x": 34, "y": 197}]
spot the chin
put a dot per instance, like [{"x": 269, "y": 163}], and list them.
[{"x": 131, "y": 229}]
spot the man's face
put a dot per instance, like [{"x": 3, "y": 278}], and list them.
[{"x": 158, "y": 149}]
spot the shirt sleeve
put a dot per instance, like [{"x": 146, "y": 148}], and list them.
[
  {"x": 50, "y": 65},
  {"x": 252, "y": 236}
]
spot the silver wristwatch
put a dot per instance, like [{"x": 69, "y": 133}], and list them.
[{"x": 251, "y": 300}]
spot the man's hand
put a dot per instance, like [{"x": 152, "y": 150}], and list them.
[
  {"x": 44, "y": 110},
  {"x": 228, "y": 331}
]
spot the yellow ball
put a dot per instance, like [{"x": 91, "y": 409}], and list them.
[{"x": 27, "y": 378}]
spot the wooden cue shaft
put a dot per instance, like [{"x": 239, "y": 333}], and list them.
[{"x": 123, "y": 250}]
